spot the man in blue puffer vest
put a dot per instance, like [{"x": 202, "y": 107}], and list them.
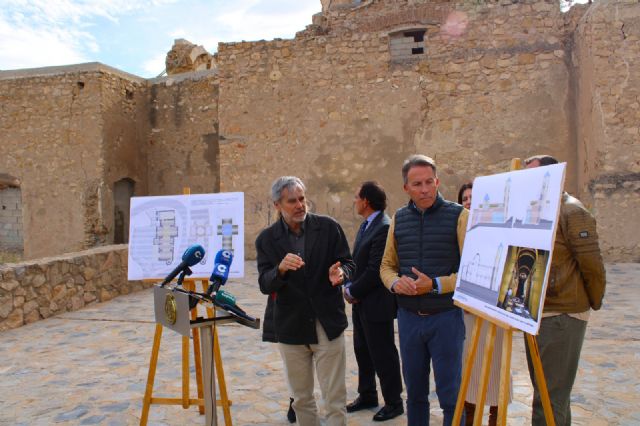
[{"x": 420, "y": 262}]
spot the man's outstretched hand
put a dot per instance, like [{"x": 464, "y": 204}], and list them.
[{"x": 336, "y": 274}]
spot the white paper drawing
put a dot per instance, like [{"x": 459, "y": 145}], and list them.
[
  {"x": 162, "y": 228},
  {"x": 505, "y": 262}
]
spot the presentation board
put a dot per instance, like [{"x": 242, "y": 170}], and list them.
[
  {"x": 505, "y": 262},
  {"x": 161, "y": 228}
]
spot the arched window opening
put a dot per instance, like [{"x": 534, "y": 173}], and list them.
[{"x": 122, "y": 192}]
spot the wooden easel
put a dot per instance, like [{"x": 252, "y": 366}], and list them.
[
  {"x": 505, "y": 369},
  {"x": 505, "y": 365},
  {"x": 185, "y": 400}
]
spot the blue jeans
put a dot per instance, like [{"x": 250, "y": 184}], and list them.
[{"x": 435, "y": 338}]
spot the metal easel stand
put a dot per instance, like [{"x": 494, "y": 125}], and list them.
[{"x": 172, "y": 311}]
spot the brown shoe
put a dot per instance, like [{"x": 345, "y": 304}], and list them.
[
  {"x": 493, "y": 415},
  {"x": 469, "y": 409}
]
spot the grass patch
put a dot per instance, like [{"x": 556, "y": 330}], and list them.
[{"x": 10, "y": 256}]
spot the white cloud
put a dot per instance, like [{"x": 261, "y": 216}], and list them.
[
  {"x": 178, "y": 33},
  {"x": 202, "y": 38},
  {"x": 38, "y": 33},
  {"x": 25, "y": 47},
  {"x": 250, "y": 22},
  {"x": 155, "y": 65}
]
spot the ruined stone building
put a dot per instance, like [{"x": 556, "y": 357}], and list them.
[{"x": 471, "y": 83}]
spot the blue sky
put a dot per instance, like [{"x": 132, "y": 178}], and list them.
[{"x": 135, "y": 35}]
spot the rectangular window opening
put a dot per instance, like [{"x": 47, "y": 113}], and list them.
[
  {"x": 417, "y": 35},
  {"x": 417, "y": 50}
]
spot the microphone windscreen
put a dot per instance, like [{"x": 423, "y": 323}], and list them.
[
  {"x": 225, "y": 298},
  {"x": 221, "y": 266},
  {"x": 193, "y": 254},
  {"x": 224, "y": 257}
]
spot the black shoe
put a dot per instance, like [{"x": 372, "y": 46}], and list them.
[
  {"x": 388, "y": 412},
  {"x": 361, "y": 404},
  {"x": 291, "y": 415}
]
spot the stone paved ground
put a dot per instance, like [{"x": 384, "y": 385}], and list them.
[{"x": 90, "y": 366}]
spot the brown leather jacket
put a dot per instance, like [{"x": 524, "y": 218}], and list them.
[{"x": 577, "y": 277}]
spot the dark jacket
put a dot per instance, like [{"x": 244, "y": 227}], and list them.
[
  {"x": 268, "y": 330},
  {"x": 428, "y": 241},
  {"x": 577, "y": 278},
  {"x": 375, "y": 301},
  {"x": 305, "y": 295}
]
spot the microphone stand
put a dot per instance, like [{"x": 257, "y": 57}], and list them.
[
  {"x": 185, "y": 272},
  {"x": 210, "y": 297}
]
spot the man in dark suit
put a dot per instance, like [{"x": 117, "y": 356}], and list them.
[
  {"x": 374, "y": 310},
  {"x": 303, "y": 259}
]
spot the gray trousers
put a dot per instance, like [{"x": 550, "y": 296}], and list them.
[
  {"x": 560, "y": 342},
  {"x": 328, "y": 358}
]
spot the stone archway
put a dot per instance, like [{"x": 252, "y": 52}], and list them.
[{"x": 123, "y": 190}]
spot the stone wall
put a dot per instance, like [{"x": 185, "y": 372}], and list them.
[
  {"x": 334, "y": 107},
  {"x": 183, "y": 139},
  {"x": 124, "y": 107},
  {"x": 31, "y": 291},
  {"x": 11, "y": 236},
  {"x": 472, "y": 84},
  {"x": 50, "y": 133},
  {"x": 71, "y": 133},
  {"x": 324, "y": 108},
  {"x": 607, "y": 62},
  {"x": 498, "y": 90}
]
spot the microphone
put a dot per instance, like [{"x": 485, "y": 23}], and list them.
[
  {"x": 190, "y": 257},
  {"x": 220, "y": 274},
  {"x": 224, "y": 298},
  {"x": 227, "y": 301}
]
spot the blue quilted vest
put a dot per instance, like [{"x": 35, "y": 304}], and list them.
[{"x": 428, "y": 241}]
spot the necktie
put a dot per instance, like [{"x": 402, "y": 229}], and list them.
[{"x": 361, "y": 230}]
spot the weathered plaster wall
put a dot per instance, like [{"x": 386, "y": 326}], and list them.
[
  {"x": 499, "y": 90},
  {"x": 183, "y": 140},
  {"x": 50, "y": 137},
  {"x": 68, "y": 134},
  {"x": 31, "y": 291},
  {"x": 323, "y": 108},
  {"x": 124, "y": 107},
  {"x": 334, "y": 108},
  {"x": 607, "y": 62}
]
